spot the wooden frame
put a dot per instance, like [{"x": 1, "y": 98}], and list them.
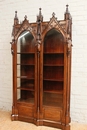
[{"x": 42, "y": 70}]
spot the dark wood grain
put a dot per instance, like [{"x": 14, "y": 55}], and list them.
[{"x": 42, "y": 71}]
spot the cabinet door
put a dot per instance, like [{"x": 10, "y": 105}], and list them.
[
  {"x": 26, "y": 68},
  {"x": 53, "y": 75}
]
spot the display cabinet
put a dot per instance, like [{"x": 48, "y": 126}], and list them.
[{"x": 41, "y": 54}]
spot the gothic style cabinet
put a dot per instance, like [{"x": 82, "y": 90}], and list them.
[{"x": 41, "y": 54}]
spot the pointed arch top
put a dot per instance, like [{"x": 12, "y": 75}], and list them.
[
  {"x": 25, "y": 26},
  {"x": 18, "y": 28},
  {"x": 60, "y": 26},
  {"x": 40, "y": 28}
]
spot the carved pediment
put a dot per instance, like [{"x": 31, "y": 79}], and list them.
[
  {"x": 25, "y": 26},
  {"x": 40, "y": 28},
  {"x": 54, "y": 23},
  {"x": 25, "y": 23}
]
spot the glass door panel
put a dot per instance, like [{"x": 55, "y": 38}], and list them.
[
  {"x": 53, "y": 69},
  {"x": 26, "y": 68}
]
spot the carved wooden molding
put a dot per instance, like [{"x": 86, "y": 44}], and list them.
[
  {"x": 54, "y": 23},
  {"x": 25, "y": 26},
  {"x": 40, "y": 28}
]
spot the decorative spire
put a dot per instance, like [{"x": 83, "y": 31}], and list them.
[
  {"x": 16, "y": 21},
  {"x": 16, "y": 15},
  {"x": 67, "y": 13},
  {"x": 39, "y": 11},
  {"x": 53, "y": 14},
  {"x": 39, "y": 20},
  {"x": 25, "y": 17},
  {"x": 39, "y": 17}
]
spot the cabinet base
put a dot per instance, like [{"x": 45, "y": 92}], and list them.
[
  {"x": 66, "y": 127},
  {"x": 41, "y": 123},
  {"x": 14, "y": 117}
]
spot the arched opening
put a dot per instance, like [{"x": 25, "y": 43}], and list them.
[
  {"x": 54, "y": 32},
  {"x": 25, "y": 67},
  {"x": 25, "y": 42},
  {"x": 54, "y": 40},
  {"x": 53, "y": 68}
]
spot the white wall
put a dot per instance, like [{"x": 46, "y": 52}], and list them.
[{"x": 78, "y": 10}]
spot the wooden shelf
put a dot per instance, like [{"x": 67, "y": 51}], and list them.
[
  {"x": 25, "y": 88},
  {"x": 53, "y": 65},
  {"x": 53, "y": 104},
  {"x": 52, "y": 91},
  {"x": 53, "y": 60},
  {"x": 57, "y": 80},
  {"x": 27, "y": 64},
  {"x": 25, "y": 52},
  {"x": 28, "y": 100},
  {"x": 25, "y": 77},
  {"x": 55, "y": 100},
  {"x": 53, "y": 53}
]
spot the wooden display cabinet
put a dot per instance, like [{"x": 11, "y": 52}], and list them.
[{"x": 41, "y": 54}]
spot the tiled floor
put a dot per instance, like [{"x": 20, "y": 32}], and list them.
[{"x": 7, "y": 124}]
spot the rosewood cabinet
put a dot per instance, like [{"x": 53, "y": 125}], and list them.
[{"x": 41, "y": 54}]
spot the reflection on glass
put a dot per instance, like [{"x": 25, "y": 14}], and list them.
[
  {"x": 25, "y": 67},
  {"x": 25, "y": 42}
]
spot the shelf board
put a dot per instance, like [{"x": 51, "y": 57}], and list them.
[
  {"x": 29, "y": 100},
  {"x": 54, "y": 101},
  {"x": 53, "y": 65},
  {"x": 25, "y": 77},
  {"x": 53, "y": 91},
  {"x": 25, "y": 52},
  {"x": 25, "y": 88},
  {"x": 58, "y": 80},
  {"x": 53, "y": 53},
  {"x": 27, "y": 64}
]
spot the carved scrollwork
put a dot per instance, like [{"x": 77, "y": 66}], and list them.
[
  {"x": 54, "y": 23},
  {"x": 68, "y": 52},
  {"x": 12, "y": 48},
  {"x": 39, "y": 31}
]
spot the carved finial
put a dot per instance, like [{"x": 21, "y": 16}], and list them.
[
  {"x": 53, "y": 14},
  {"x": 16, "y": 21},
  {"x": 39, "y": 11},
  {"x": 68, "y": 18},
  {"x": 16, "y": 15},
  {"x": 39, "y": 20},
  {"x": 67, "y": 11},
  {"x": 25, "y": 17},
  {"x": 40, "y": 17}
]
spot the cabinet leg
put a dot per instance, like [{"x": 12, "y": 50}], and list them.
[
  {"x": 14, "y": 117},
  {"x": 65, "y": 127}
]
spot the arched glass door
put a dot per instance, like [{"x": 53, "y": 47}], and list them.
[
  {"x": 53, "y": 69},
  {"x": 26, "y": 68}
]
